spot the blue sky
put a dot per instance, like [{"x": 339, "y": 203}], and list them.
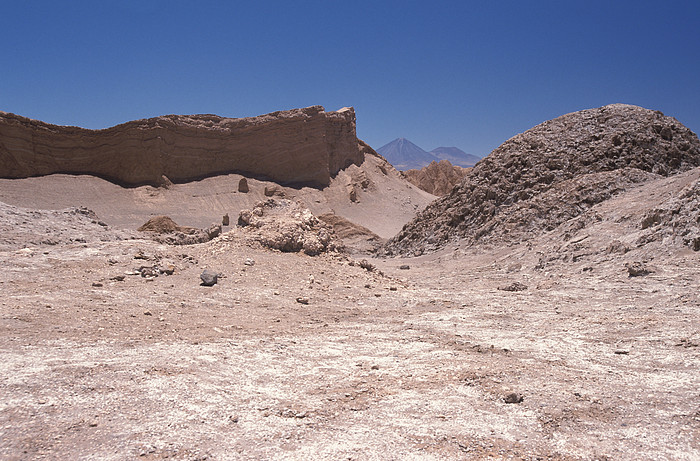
[{"x": 468, "y": 74}]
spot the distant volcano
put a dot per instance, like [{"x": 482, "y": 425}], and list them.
[
  {"x": 455, "y": 156},
  {"x": 405, "y": 155}
]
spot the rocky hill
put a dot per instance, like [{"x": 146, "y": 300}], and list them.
[
  {"x": 301, "y": 146},
  {"x": 438, "y": 178},
  {"x": 553, "y": 172}
]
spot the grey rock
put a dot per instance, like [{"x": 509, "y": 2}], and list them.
[
  {"x": 513, "y": 397},
  {"x": 209, "y": 278}
]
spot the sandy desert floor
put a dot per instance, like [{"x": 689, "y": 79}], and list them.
[{"x": 99, "y": 362}]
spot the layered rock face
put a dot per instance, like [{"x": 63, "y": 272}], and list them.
[
  {"x": 302, "y": 146},
  {"x": 438, "y": 178},
  {"x": 553, "y": 172}
]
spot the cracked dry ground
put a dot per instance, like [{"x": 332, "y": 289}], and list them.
[{"x": 413, "y": 364}]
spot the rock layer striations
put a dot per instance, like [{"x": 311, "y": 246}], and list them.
[
  {"x": 553, "y": 172},
  {"x": 302, "y": 146}
]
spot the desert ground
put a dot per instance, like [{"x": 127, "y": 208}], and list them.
[
  {"x": 546, "y": 308},
  {"x": 548, "y": 349}
]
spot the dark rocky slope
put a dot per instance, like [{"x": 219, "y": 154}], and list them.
[{"x": 553, "y": 172}]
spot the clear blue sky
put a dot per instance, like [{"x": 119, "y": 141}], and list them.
[{"x": 468, "y": 74}]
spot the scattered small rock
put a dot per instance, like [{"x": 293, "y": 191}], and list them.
[
  {"x": 637, "y": 269},
  {"x": 225, "y": 221},
  {"x": 148, "y": 271},
  {"x": 374, "y": 367},
  {"x": 303, "y": 300},
  {"x": 404, "y": 267},
  {"x": 118, "y": 278},
  {"x": 513, "y": 397},
  {"x": 96, "y": 284},
  {"x": 147, "y": 313},
  {"x": 368, "y": 266},
  {"x": 515, "y": 286},
  {"x": 249, "y": 262},
  {"x": 622, "y": 352},
  {"x": 209, "y": 278},
  {"x": 168, "y": 270}
]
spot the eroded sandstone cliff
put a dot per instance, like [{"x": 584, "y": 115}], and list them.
[
  {"x": 300, "y": 146},
  {"x": 438, "y": 178}
]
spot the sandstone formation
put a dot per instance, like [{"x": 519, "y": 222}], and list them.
[
  {"x": 553, "y": 172},
  {"x": 301, "y": 146},
  {"x": 438, "y": 178}
]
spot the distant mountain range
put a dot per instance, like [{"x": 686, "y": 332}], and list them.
[{"x": 405, "y": 155}]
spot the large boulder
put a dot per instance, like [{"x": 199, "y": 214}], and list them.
[{"x": 286, "y": 226}]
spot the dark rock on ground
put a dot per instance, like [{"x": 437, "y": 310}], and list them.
[
  {"x": 209, "y": 278},
  {"x": 513, "y": 397}
]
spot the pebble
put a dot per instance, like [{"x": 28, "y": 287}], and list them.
[
  {"x": 513, "y": 397},
  {"x": 404, "y": 267},
  {"x": 249, "y": 262},
  {"x": 303, "y": 300},
  {"x": 97, "y": 284}
]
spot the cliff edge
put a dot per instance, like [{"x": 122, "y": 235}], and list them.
[{"x": 301, "y": 146}]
